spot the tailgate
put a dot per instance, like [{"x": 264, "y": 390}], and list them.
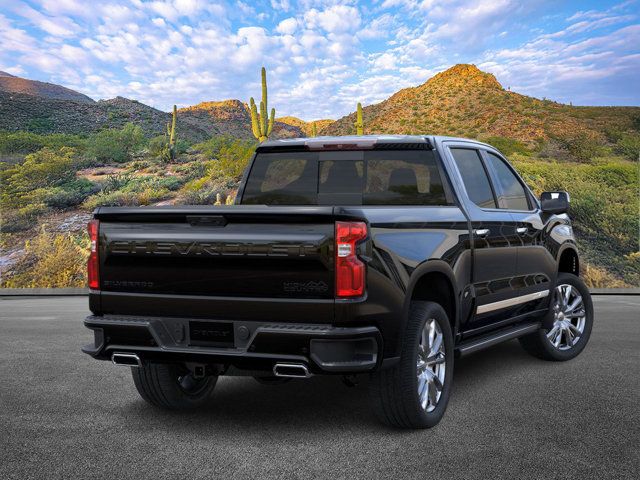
[{"x": 238, "y": 251}]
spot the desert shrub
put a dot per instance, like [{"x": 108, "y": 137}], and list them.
[
  {"x": 111, "y": 199},
  {"x": 191, "y": 171},
  {"x": 50, "y": 261},
  {"x": 581, "y": 146},
  {"x": 231, "y": 154},
  {"x": 40, "y": 125},
  {"x": 127, "y": 197},
  {"x": 596, "y": 277},
  {"x": 116, "y": 182},
  {"x": 116, "y": 145},
  {"x": 46, "y": 168},
  {"x": 28, "y": 142},
  {"x": 507, "y": 146},
  {"x": 20, "y": 219},
  {"x": 69, "y": 194},
  {"x": 629, "y": 145},
  {"x": 157, "y": 146}
]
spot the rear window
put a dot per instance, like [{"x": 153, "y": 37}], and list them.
[{"x": 386, "y": 177}]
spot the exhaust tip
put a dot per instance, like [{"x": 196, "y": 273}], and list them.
[
  {"x": 291, "y": 370},
  {"x": 126, "y": 360}
]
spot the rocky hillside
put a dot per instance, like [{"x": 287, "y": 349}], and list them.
[
  {"x": 464, "y": 101},
  {"x": 305, "y": 127},
  {"x": 10, "y": 84},
  {"x": 48, "y": 108},
  {"x": 229, "y": 117}
]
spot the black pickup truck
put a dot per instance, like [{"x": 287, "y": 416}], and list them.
[{"x": 384, "y": 255}]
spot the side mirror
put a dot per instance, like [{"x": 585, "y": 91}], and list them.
[{"x": 554, "y": 202}]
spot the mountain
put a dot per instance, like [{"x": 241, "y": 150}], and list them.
[
  {"x": 47, "y": 108},
  {"x": 305, "y": 127},
  {"x": 10, "y": 84},
  {"x": 230, "y": 117},
  {"x": 464, "y": 101}
]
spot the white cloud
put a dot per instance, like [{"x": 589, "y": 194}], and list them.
[
  {"x": 287, "y": 26},
  {"x": 335, "y": 19},
  {"x": 56, "y": 26},
  {"x": 280, "y": 5},
  {"x": 386, "y": 61}
]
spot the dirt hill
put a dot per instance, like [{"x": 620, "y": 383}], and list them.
[
  {"x": 465, "y": 101},
  {"x": 230, "y": 117},
  {"x": 305, "y": 127},
  {"x": 16, "y": 85}
]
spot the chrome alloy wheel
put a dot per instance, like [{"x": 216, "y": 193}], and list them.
[
  {"x": 430, "y": 365},
  {"x": 569, "y": 317}
]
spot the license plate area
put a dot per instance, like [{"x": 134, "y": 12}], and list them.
[{"x": 211, "y": 334}]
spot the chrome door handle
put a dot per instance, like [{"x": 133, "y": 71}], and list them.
[
  {"x": 522, "y": 230},
  {"x": 481, "y": 232}
]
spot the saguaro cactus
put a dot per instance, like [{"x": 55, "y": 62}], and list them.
[
  {"x": 314, "y": 130},
  {"x": 171, "y": 135},
  {"x": 359, "y": 125},
  {"x": 261, "y": 125}
]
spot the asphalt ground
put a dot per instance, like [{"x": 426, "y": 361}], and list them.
[{"x": 65, "y": 415}]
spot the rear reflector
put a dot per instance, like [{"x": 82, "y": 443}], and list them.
[
  {"x": 93, "y": 262},
  {"x": 350, "y": 271}
]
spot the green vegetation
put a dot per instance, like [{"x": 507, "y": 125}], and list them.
[
  {"x": 629, "y": 145},
  {"x": 45, "y": 180},
  {"x": 116, "y": 145},
  {"x": 604, "y": 207},
  {"x": 261, "y": 125},
  {"x": 508, "y": 146},
  {"x": 231, "y": 155},
  {"x": 50, "y": 261},
  {"x": 28, "y": 142},
  {"x": 592, "y": 152},
  {"x": 359, "y": 124},
  {"x": 171, "y": 136}
]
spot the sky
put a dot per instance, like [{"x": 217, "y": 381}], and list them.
[{"x": 322, "y": 56}]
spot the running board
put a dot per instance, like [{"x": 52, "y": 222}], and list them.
[{"x": 486, "y": 341}]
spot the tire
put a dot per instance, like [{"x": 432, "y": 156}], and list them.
[
  {"x": 394, "y": 391},
  {"x": 571, "y": 325},
  {"x": 171, "y": 386}
]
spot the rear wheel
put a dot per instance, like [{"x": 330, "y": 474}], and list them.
[
  {"x": 571, "y": 322},
  {"x": 415, "y": 392},
  {"x": 172, "y": 386}
]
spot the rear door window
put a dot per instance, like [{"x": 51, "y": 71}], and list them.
[
  {"x": 403, "y": 178},
  {"x": 512, "y": 194},
  {"x": 474, "y": 177}
]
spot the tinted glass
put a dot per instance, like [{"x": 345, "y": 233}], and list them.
[
  {"x": 512, "y": 195},
  {"x": 282, "y": 179},
  {"x": 345, "y": 178},
  {"x": 474, "y": 176},
  {"x": 403, "y": 178}
]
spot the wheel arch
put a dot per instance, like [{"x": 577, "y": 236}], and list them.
[
  {"x": 568, "y": 260},
  {"x": 433, "y": 281}
]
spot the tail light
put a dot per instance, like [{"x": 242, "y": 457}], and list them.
[
  {"x": 350, "y": 271},
  {"x": 93, "y": 262}
]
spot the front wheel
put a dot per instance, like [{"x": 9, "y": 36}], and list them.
[
  {"x": 171, "y": 386},
  {"x": 415, "y": 392},
  {"x": 571, "y": 323}
]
